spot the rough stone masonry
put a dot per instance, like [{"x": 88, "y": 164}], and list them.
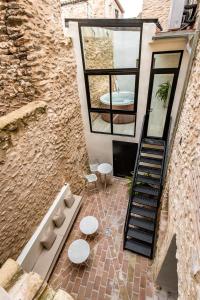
[{"x": 41, "y": 146}]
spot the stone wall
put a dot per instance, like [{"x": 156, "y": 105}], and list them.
[
  {"x": 157, "y": 9},
  {"x": 180, "y": 212},
  {"x": 98, "y": 52},
  {"x": 76, "y": 10},
  {"x": 90, "y": 9},
  {"x": 17, "y": 85},
  {"x": 111, "y": 7},
  {"x": 41, "y": 150}
]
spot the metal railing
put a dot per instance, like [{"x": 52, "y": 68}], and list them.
[
  {"x": 166, "y": 158},
  {"x": 163, "y": 175},
  {"x": 134, "y": 176}
]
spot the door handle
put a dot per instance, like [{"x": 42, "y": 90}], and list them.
[{"x": 150, "y": 110}]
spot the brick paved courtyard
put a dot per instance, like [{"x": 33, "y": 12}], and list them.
[{"x": 110, "y": 272}]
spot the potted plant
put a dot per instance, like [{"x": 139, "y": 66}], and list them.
[
  {"x": 130, "y": 182},
  {"x": 163, "y": 92}
]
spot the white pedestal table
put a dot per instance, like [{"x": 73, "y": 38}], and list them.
[{"x": 105, "y": 169}]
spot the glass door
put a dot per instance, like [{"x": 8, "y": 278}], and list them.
[
  {"x": 161, "y": 92},
  {"x": 162, "y": 87}
]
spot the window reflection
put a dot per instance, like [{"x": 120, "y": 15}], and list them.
[
  {"x": 161, "y": 93},
  {"x": 124, "y": 124},
  {"x": 123, "y": 92},
  {"x": 166, "y": 60},
  {"x": 99, "y": 91},
  {"x": 111, "y": 48},
  {"x": 100, "y": 122}
]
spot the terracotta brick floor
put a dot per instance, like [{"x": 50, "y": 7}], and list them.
[{"x": 110, "y": 272}]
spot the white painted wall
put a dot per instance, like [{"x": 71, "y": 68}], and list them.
[{"x": 99, "y": 146}]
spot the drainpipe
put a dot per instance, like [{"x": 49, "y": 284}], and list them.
[{"x": 185, "y": 86}]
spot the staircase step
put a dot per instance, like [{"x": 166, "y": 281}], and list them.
[
  {"x": 153, "y": 142},
  {"x": 148, "y": 179},
  {"x": 141, "y": 235},
  {"x": 145, "y": 212},
  {"x": 145, "y": 201},
  {"x": 152, "y": 151},
  {"x": 142, "y": 223},
  {"x": 151, "y": 170},
  {"x": 149, "y": 160},
  {"x": 46, "y": 293},
  {"x": 62, "y": 295},
  {"x": 138, "y": 248},
  {"x": 147, "y": 190}
]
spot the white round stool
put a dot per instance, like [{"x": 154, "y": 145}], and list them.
[
  {"x": 78, "y": 251},
  {"x": 89, "y": 225}
]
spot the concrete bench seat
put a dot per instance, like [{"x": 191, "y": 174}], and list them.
[{"x": 34, "y": 257}]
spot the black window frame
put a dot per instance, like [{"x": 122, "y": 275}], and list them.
[{"x": 109, "y": 72}]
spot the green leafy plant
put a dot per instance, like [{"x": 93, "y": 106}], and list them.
[
  {"x": 129, "y": 183},
  {"x": 163, "y": 91}
]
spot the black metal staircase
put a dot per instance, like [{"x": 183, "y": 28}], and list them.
[{"x": 141, "y": 219}]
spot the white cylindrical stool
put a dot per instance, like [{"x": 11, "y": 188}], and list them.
[
  {"x": 89, "y": 225},
  {"x": 79, "y": 251}
]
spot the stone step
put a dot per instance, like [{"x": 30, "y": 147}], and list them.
[
  {"x": 62, "y": 295},
  {"x": 9, "y": 274},
  {"x": 26, "y": 287},
  {"x": 15, "y": 284},
  {"x": 47, "y": 294}
]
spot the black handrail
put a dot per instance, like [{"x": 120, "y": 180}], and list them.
[
  {"x": 134, "y": 176},
  {"x": 138, "y": 153},
  {"x": 166, "y": 158}
]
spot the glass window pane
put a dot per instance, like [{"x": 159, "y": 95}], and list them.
[
  {"x": 100, "y": 122},
  {"x": 161, "y": 92},
  {"x": 99, "y": 91},
  {"x": 166, "y": 60},
  {"x": 124, "y": 124},
  {"x": 123, "y": 92},
  {"x": 111, "y": 48}
]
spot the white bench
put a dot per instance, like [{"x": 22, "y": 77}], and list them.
[{"x": 34, "y": 257}]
